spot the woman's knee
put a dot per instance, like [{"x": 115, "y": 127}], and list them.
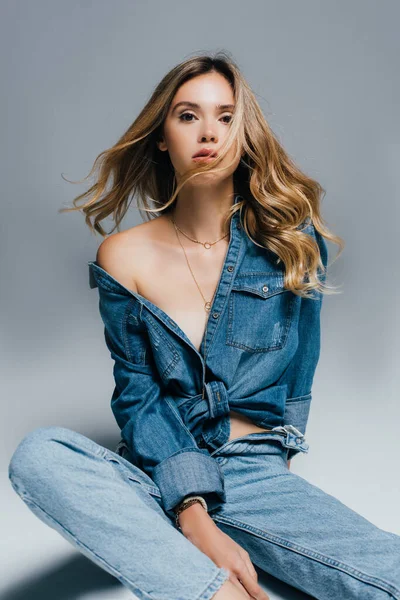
[{"x": 34, "y": 451}]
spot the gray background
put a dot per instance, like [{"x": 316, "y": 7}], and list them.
[{"x": 75, "y": 75}]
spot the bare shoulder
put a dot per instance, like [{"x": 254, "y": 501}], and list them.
[{"x": 127, "y": 255}]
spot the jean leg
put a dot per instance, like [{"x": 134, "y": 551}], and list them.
[
  {"x": 111, "y": 512},
  {"x": 300, "y": 534}
]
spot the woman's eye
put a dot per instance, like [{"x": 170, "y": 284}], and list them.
[
  {"x": 181, "y": 117},
  {"x": 186, "y": 114}
]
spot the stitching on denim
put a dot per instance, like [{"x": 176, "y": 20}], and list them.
[
  {"x": 182, "y": 451},
  {"x": 143, "y": 350},
  {"x": 309, "y": 554},
  {"x": 110, "y": 286},
  {"x": 257, "y": 273},
  {"x": 287, "y": 323},
  {"x": 105, "y": 282},
  {"x": 218, "y": 433},
  {"x": 299, "y": 398},
  {"x": 151, "y": 489},
  {"x": 167, "y": 343},
  {"x": 214, "y": 585},
  {"x": 209, "y": 345},
  {"x": 219, "y": 430},
  {"x": 278, "y": 282},
  {"x": 124, "y": 333}
]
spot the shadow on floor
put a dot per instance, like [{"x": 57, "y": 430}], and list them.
[
  {"x": 68, "y": 581},
  {"x": 77, "y": 576},
  {"x": 279, "y": 590}
]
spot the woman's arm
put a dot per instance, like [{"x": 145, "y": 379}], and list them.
[
  {"x": 299, "y": 376},
  {"x": 150, "y": 422}
]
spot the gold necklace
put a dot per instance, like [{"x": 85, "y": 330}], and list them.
[
  {"x": 207, "y": 245},
  {"x": 207, "y": 304}
]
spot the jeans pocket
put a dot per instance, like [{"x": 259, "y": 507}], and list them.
[{"x": 133, "y": 473}]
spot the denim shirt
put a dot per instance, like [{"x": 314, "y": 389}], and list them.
[{"x": 263, "y": 346}]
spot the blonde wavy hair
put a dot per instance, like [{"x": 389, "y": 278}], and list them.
[{"x": 277, "y": 197}]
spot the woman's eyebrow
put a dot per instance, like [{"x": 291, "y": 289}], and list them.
[{"x": 195, "y": 105}]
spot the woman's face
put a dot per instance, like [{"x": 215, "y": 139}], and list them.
[{"x": 188, "y": 129}]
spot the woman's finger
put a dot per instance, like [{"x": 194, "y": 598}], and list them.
[
  {"x": 238, "y": 584},
  {"x": 250, "y": 567},
  {"x": 251, "y": 586}
]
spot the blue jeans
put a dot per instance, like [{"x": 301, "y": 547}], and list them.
[{"x": 111, "y": 512}]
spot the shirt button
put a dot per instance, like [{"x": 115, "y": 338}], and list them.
[
  {"x": 265, "y": 288},
  {"x": 215, "y": 315},
  {"x": 230, "y": 268},
  {"x": 238, "y": 226}
]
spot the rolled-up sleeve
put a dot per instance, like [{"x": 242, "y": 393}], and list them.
[{"x": 299, "y": 376}]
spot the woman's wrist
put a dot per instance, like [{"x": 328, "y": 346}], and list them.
[
  {"x": 192, "y": 516},
  {"x": 185, "y": 503}
]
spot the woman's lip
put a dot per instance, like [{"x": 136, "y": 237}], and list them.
[{"x": 201, "y": 158}]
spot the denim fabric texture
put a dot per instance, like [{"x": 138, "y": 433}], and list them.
[
  {"x": 112, "y": 512},
  {"x": 263, "y": 346}
]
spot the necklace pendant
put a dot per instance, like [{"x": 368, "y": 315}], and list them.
[
  {"x": 207, "y": 306},
  {"x": 207, "y": 245}
]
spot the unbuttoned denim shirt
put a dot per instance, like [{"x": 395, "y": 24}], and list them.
[{"x": 263, "y": 346}]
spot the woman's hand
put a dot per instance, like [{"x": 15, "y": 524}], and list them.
[{"x": 224, "y": 552}]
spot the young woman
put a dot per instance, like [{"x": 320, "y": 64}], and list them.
[{"x": 211, "y": 313}]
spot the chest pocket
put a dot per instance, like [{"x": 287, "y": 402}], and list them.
[{"x": 260, "y": 312}]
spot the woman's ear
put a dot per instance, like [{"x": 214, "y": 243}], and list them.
[{"x": 162, "y": 145}]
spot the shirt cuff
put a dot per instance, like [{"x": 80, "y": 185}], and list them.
[{"x": 189, "y": 472}]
